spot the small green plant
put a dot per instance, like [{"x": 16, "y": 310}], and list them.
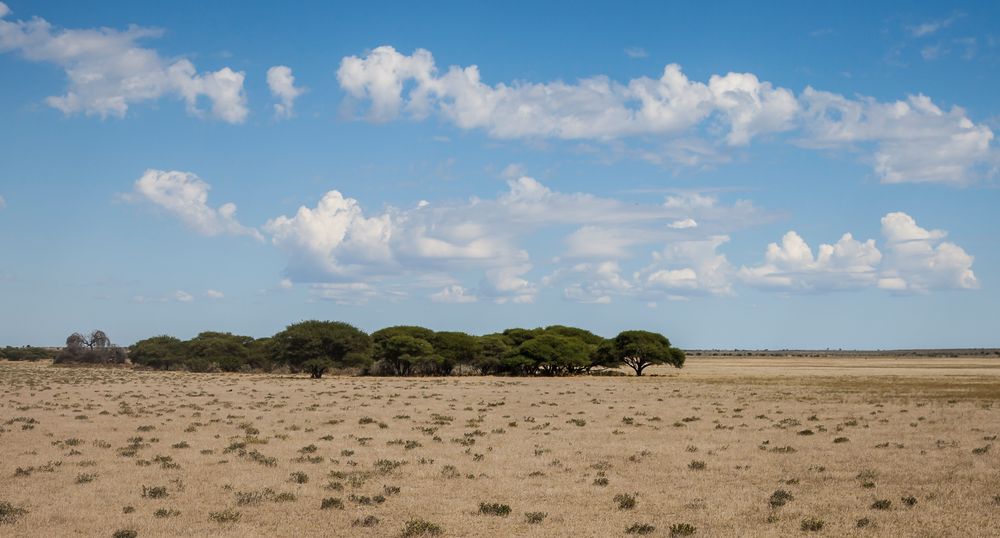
[
  {"x": 779, "y": 498},
  {"x": 882, "y": 504},
  {"x": 626, "y": 501},
  {"x": 909, "y": 500},
  {"x": 494, "y": 509},
  {"x": 226, "y": 516},
  {"x": 125, "y": 533},
  {"x": 9, "y": 514},
  {"x": 154, "y": 492},
  {"x": 298, "y": 477},
  {"x": 166, "y": 512},
  {"x": 839, "y": 440},
  {"x": 420, "y": 527},
  {"x": 534, "y": 518},
  {"x": 367, "y": 521},
  {"x": 682, "y": 529},
  {"x": 640, "y": 529},
  {"x": 330, "y": 503},
  {"x": 697, "y": 465},
  {"x": 811, "y": 524},
  {"x": 86, "y": 478},
  {"x": 862, "y": 523}
]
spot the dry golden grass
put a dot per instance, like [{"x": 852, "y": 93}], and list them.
[{"x": 705, "y": 446}]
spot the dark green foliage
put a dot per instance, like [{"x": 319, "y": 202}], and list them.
[
  {"x": 339, "y": 343},
  {"x": 399, "y": 349},
  {"x": 882, "y": 504},
  {"x": 626, "y": 501},
  {"x": 811, "y": 524},
  {"x": 160, "y": 352},
  {"x": 420, "y": 527},
  {"x": 317, "y": 347},
  {"x": 682, "y": 529},
  {"x": 125, "y": 533},
  {"x": 639, "y": 350},
  {"x": 26, "y": 353},
  {"x": 640, "y": 529},
  {"x": 494, "y": 509},
  {"x": 9, "y": 514},
  {"x": 779, "y": 498},
  {"x": 534, "y": 518}
]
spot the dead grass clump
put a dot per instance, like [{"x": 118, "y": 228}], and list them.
[
  {"x": 420, "y": 527},
  {"x": 640, "y": 529},
  {"x": 226, "y": 516},
  {"x": 154, "y": 492},
  {"x": 367, "y": 522},
  {"x": 811, "y": 524},
  {"x": 494, "y": 509},
  {"x": 779, "y": 498},
  {"x": 682, "y": 529},
  {"x": 331, "y": 503},
  {"x": 534, "y": 518},
  {"x": 9, "y": 514},
  {"x": 626, "y": 501}
]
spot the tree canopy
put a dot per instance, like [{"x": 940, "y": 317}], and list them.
[
  {"x": 640, "y": 349},
  {"x": 318, "y": 346}
]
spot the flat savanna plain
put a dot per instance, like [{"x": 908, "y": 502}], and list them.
[{"x": 906, "y": 446}]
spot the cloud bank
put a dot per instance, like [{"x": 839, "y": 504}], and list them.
[
  {"x": 108, "y": 71},
  {"x": 909, "y": 140}
]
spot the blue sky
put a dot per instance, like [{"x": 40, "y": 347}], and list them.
[{"x": 187, "y": 167}]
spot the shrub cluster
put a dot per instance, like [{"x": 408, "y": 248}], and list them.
[{"x": 316, "y": 347}]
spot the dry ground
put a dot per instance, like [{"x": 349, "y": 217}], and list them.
[{"x": 79, "y": 447}]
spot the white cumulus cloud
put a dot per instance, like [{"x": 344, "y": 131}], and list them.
[
  {"x": 454, "y": 294},
  {"x": 185, "y": 196},
  {"x": 108, "y": 71},
  {"x": 914, "y": 260},
  {"x": 919, "y": 260},
  {"x": 281, "y": 82},
  {"x": 911, "y": 140}
]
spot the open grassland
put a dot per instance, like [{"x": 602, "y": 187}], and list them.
[{"x": 725, "y": 447}]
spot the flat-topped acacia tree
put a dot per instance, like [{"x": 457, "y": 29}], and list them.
[
  {"x": 638, "y": 350},
  {"x": 315, "y": 346}
]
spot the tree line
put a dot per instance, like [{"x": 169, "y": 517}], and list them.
[{"x": 316, "y": 347}]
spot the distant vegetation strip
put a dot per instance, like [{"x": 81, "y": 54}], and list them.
[{"x": 316, "y": 347}]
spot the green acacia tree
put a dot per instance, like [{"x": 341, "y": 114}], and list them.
[
  {"x": 552, "y": 354},
  {"x": 402, "y": 352},
  {"x": 339, "y": 344},
  {"x": 639, "y": 350}
]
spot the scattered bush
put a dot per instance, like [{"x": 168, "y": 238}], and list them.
[
  {"x": 9, "y": 514},
  {"x": 779, "y": 498},
  {"x": 226, "y": 516},
  {"x": 682, "y": 529},
  {"x": 494, "y": 509},
  {"x": 534, "y": 518},
  {"x": 626, "y": 501},
  {"x": 419, "y": 527},
  {"x": 154, "y": 492},
  {"x": 811, "y": 524},
  {"x": 367, "y": 521},
  {"x": 882, "y": 504},
  {"x": 331, "y": 502},
  {"x": 640, "y": 528}
]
